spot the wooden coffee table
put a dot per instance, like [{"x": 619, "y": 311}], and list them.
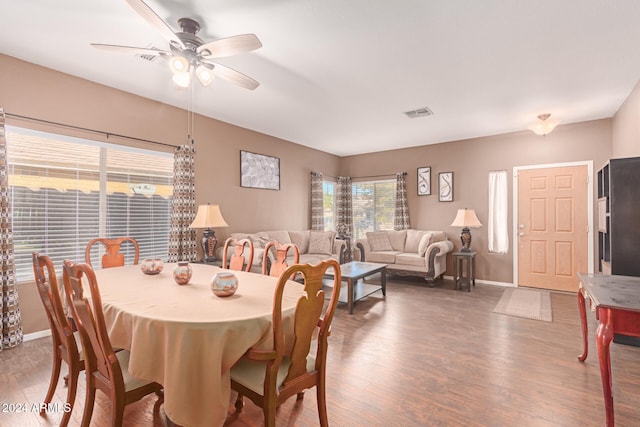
[{"x": 356, "y": 270}]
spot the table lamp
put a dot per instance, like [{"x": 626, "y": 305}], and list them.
[
  {"x": 207, "y": 217},
  {"x": 466, "y": 218}
]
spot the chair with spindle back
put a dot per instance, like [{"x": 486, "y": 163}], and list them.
[
  {"x": 66, "y": 339},
  {"x": 113, "y": 257},
  {"x": 237, "y": 261},
  {"x": 270, "y": 377},
  {"x": 279, "y": 264},
  {"x": 106, "y": 369}
]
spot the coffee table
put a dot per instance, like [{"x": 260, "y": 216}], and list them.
[{"x": 356, "y": 270}]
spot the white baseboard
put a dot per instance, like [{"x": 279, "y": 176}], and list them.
[{"x": 36, "y": 335}]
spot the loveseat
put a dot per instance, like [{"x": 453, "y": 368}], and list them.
[
  {"x": 314, "y": 246},
  {"x": 408, "y": 252}
]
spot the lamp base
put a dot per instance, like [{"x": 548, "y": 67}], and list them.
[
  {"x": 465, "y": 238},
  {"x": 208, "y": 244}
]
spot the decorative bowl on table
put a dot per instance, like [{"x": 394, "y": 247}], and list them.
[
  {"x": 182, "y": 273},
  {"x": 152, "y": 266},
  {"x": 224, "y": 284}
]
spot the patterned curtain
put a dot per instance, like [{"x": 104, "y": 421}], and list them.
[
  {"x": 182, "y": 239},
  {"x": 317, "y": 207},
  {"x": 344, "y": 214},
  {"x": 401, "y": 217},
  {"x": 9, "y": 307}
]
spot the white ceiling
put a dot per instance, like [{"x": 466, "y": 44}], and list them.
[{"x": 337, "y": 75}]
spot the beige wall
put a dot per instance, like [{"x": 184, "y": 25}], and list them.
[
  {"x": 626, "y": 127},
  {"x": 34, "y": 91},
  {"x": 30, "y": 90},
  {"x": 470, "y": 161}
]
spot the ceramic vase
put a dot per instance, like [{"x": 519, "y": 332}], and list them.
[
  {"x": 182, "y": 273},
  {"x": 224, "y": 284},
  {"x": 152, "y": 266}
]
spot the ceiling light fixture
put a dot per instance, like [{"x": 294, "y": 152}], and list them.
[
  {"x": 182, "y": 79},
  {"x": 204, "y": 74},
  {"x": 179, "y": 64},
  {"x": 543, "y": 126}
]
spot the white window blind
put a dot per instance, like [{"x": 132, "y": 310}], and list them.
[
  {"x": 66, "y": 191},
  {"x": 373, "y": 204}
]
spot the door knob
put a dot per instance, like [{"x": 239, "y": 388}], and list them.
[{"x": 521, "y": 234}]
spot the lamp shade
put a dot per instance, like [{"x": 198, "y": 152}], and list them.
[
  {"x": 466, "y": 218},
  {"x": 208, "y": 216}
]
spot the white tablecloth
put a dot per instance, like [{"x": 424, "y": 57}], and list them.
[{"x": 184, "y": 337}]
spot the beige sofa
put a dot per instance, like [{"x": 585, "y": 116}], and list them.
[
  {"x": 314, "y": 246},
  {"x": 408, "y": 252}
]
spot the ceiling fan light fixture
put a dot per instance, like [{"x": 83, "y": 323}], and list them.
[
  {"x": 182, "y": 79},
  {"x": 179, "y": 64},
  {"x": 205, "y": 74},
  {"x": 543, "y": 126}
]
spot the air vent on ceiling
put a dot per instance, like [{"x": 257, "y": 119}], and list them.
[
  {"x": 150, "y": 58},
  {"x": 420, "y": 112}
]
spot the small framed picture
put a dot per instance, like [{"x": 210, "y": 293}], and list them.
[
  {"x": 445, "y": 184},
  {"x": 424, "y": 181}
]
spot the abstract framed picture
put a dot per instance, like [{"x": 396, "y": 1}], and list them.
[
  {"x": 445, "y": 186},
  {"x": 259, "y": 171},
  {"x": 424, "y": 181}
]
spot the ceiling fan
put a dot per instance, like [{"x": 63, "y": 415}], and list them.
[{"x": 188, "y": 53}]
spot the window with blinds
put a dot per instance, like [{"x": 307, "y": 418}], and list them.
[
  {"x": 373, "y": 205},
  {"x": 329, "y": 204},
  {"x": 66, "y": 191}
]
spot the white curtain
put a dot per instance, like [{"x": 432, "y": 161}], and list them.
[{"x": 498, "y": 211}]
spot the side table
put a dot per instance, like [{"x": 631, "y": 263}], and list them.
[{"x": 468, "y": 274}]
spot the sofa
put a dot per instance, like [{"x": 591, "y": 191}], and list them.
[
  {"x": 314, "y": 246},
  {"x": 408, "y": 252}
]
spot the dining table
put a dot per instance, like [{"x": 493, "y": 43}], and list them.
[{"x": 186, "y": 338}]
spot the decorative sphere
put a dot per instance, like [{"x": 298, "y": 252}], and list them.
[
  {"x": 224, "y": 284},
  {"x": 182, "y": 273},
  {"x": 152, "y": 266}
]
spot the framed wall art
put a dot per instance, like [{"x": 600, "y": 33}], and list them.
[
  {"x": 445, "y": 186},
  {"x": 424, "y": 181},
  {"x": 259, "y": 171}
]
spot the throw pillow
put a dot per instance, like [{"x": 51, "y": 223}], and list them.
[
  {"x": 397, "y": 239},
  {"x": 281, "y": 236},
  {"x": 413, "y": 240},
  {"x": 320, "y": 242},
  {"x": 379, "y": 241},
  {"x": 300, "y": 239},
  {"x": 425, "y": 241},
  {"x": 259, "y": 239}
]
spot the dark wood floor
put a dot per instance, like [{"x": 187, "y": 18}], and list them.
[{"x": 422, "y": 357}]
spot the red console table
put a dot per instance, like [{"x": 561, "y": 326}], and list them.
[{"x": 616, "y": 302}]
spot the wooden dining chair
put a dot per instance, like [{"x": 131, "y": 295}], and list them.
[
  {"x": 113, "y": 257},
  {"x": 270, "y": 377},
  {"x": 237, "y": 261},
  {"x": 279, "y": 264},
  {"x": 65, "y": 338},
  {"x": 106, "y": 369}
]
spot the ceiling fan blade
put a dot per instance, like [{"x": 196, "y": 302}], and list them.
[
  {"x": 234, "y": 76},
  {"x": 230, "y": 46},
  {"x": 130, "y": 49},
  {"x": 152, "y": 18}
]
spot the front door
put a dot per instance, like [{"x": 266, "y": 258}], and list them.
[{"x": 552, "y": 227}]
